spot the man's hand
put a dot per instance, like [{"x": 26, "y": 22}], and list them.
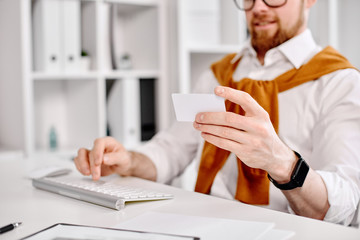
[
  {"x": 108, "y": 156},
  {"x": 251, "y": 137}
]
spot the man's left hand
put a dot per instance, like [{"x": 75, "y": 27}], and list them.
[{"x": 250, "y": 136}]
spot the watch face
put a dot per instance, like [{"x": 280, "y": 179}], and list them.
[
  {"x": 300, "y": 172},
  {"x": 297, "y": 177}
]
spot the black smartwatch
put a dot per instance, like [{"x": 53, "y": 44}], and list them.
[{"x": 297, "y": 177}]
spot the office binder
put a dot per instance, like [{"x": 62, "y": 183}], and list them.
[
  {"x": 70, "y": 20},
  {"x": 47, "y": 35},
  {"x": 89, "y": 33},
  {"x": 105, "y": 33},
  {"x": 147, "y": 108},
  {"x": 203, "y": 21},
  {"x": 123, "y": 111},
  {"x": 118, "y": 27}
]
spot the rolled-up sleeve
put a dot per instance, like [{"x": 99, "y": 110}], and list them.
[
  {"x": 172, "y": 150},
  {"x": 336, "y": 145}
]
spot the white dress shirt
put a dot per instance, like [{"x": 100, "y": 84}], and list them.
[{"x": 319, "y": 119}]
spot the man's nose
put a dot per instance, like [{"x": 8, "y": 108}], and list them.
[{"x": 259, "y": 6}]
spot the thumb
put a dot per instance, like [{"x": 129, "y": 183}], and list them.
[
  {"x": 116, "y": 158},
  {"x": 250, "y": 106}
]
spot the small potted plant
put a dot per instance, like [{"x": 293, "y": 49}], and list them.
[
  {"x": 85, "y": 61},
  {"x": 125, "y": 62}
]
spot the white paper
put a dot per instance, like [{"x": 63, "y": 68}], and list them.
[
  {"x": 78, "y": 232},
  {"x": 204, "y": 227},
  {"x": 188, "y": 105}
]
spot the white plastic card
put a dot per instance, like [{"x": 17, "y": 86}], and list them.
[{"x": 188, "y": 105}]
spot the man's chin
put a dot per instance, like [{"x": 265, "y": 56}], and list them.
[{"x": 262, "y": 42}]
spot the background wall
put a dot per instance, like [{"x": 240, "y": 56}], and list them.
[{"x": 11, "y": 95}]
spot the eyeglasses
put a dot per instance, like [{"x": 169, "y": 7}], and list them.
[{"x": 247, "y": 5}]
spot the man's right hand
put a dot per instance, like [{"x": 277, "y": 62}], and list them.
[{"x": 108, "y": 156}]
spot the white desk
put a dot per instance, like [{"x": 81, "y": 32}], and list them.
[{"x": 37, "y": 209}]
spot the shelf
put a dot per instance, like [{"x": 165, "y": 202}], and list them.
[
  {"x": 214, "y": 49},
  {"x": 64, "y": 76},
  {"x": 11, "y": 154},
  {"x": 132, "y": 7},
  {"x": 60, "y": 154},
  {"x": 134, "y": 3},
  {"x": 132, "y": 74},
  {"x": 94, "y": 75}
]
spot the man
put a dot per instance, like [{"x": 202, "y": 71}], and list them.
[{"x": 294, "y": 118}]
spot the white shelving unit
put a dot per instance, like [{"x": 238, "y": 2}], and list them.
[
  {"x": 30, "y": 101},
  {"x": 75, "y": 103},
  {"x": 195, "y": 54}
]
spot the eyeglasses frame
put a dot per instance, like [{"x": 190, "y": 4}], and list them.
[{"x": 252, "y": 6}]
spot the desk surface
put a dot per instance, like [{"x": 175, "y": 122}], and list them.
[{"x": 38, "y": 209}]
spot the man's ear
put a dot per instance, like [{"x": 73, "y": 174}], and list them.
[{"x": 309, "y": 3}]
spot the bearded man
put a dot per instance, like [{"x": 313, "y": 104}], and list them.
[{"x": 290, "y": 137}]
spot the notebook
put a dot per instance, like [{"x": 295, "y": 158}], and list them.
[{"x": 108, "y": 192}]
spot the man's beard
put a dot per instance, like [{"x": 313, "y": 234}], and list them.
[{"x": 262, "y": 42}]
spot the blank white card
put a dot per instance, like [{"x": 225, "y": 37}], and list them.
[{"x": 188, "y": 105}]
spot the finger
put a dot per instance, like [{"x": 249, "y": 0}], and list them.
[
  {"x": 224, "y": 132},
  {"x": 95, "y": 169},
  {"x": 250, "y": 106},
  {"x": 243, "y": 151},
  {"x": 222, "y": 143},
  {"x": 107, "y": 170},
  {"x": 121, "y": 160},
  {"x": 116, "y": 158},
  {"x": 101, "y": 146},
  {"x": 96, "y": 156},
  {"x": 98, "y": 151},
  {"x": 228, "y": 119},
  {"x": 82, "y": 161}
]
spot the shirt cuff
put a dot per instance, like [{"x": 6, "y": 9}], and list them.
[{"x": 342, "y": 198}]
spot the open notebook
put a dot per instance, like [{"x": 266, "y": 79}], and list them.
[{"x": 108, "y": 193}]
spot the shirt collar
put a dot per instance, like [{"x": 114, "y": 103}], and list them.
[
  {"x": 246, "y": 49},
  {"x": 296, "y": 50}
]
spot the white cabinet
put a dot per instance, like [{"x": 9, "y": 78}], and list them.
[{"x": 74, "y": 102}]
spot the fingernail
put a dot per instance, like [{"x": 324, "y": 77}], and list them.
[
  {"x": 95, "y": 176},
  {"x": 219, "y": 90},
  {"x": 201, "y": 117},
  {"x": 106, "y": 159}
]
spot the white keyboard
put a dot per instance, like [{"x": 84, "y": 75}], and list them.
[{"x": 105, "y": 193}]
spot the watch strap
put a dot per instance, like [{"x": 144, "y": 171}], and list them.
[{"x": 298, "y": 175}]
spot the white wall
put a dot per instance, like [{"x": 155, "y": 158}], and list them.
[{"x": 10, "y": 88}]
